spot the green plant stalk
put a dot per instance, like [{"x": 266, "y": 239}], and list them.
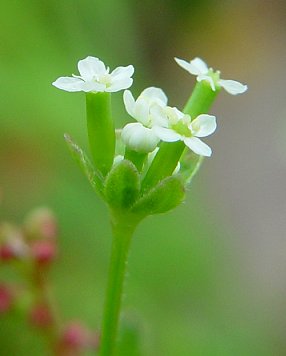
[
  {"x": 101, "y": 132},
  {"x": 123, "y": 229},
  {"x": 170, "y": 153},
  {"x": 136, "y": 158}
]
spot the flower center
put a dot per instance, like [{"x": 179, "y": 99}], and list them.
[
  {"x": 105, "y": 79},
  {"x": 181, "y": 128},
  {"x": 215, "y": 75}
]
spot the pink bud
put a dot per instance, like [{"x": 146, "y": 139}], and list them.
[
  {"x": 6, "y": 253},
  {"x": 5, "y": 298},
  {"x": 43, "y": 251},
  {"x": 75, "y": 336},
  {"x": 12, "y": 243},
  {"x": 40, "y": 316}
]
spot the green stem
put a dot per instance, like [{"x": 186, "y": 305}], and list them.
[
  {"x": 122, "y": 233},
  {"x": 201, "y": 99},
  {"x": 101, "y": 132},
  {"x": 136, "y": 158},
  {"x": 169, "y": 154}
]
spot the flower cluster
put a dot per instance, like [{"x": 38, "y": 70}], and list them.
[{"x": 155, "y": 120}]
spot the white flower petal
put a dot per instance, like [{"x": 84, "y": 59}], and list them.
[
  {"x": 204, "y": 125},
  {"x": 232, "y": 86},
  {"x": 129, "y": 102},
  {"x": 166, "y": 135},
  {"x": 158, "y": 116},
  {"x": 121, "y": 78},
  {"x": 199, "y": 65},
  {"x": 121, "y": 84},
  {"x": 122, "y": 72},
  {"x": 69, "y": 84},
  {"x": 92, "y": 86},
  {"x": 139, "y": 138},
  {"x": 198, "y": 146},
  {"x": 91, "y": 67},
  {"x": 155, "y": 93},
  {"x": 141, "y": 110},
  {"x": 186, "y": 65},
  {"x": 196, "y": 66},
  {"x": 208, "y": 79}
]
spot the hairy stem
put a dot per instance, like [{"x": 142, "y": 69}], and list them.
[{"x": 122, "y": 233}]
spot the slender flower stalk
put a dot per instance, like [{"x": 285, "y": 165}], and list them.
[
  {"x": 100, "y": 128},
  {"x": 122, "y": 234}
]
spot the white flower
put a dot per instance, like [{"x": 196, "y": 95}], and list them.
[
  {"x": 140, "y": 136},
  {"x": 199, "y": 68},
  {"x": 95, "y": 77},
  {"x": 182, "y": 128}
]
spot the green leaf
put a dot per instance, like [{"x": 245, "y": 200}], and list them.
[
  {"x": 94, "y": 176},
  {"x": 122, "y": 185},
  {"x": 166, "y": 195}
]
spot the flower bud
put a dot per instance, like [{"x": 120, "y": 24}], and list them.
[
  {"x": 76, "y": 338},
  {"x": 40, "y": 316},
  {"x": 12, "y": 245},
  {"x": 139, "y": 138},
  {"x": 122, "y": 185},
  {"x": 43, "y": 251},
  {"x": 41, "y": 223},
  {"x": 6, "y": 253}
]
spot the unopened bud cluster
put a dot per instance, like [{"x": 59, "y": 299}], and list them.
[{"x": 32, "y": 248}]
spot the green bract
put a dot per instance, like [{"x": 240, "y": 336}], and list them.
[
  {"x": 94, "y": 177},
  {"x": 122, "y": 186},
  {"x": 165, "y": 196}
]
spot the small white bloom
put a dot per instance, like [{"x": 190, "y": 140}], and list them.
[
  {"x": 182, "y": 128},
  {"x": 95, "y": 77},
  {"x": 140, "y": 136},
  {"x": 199, "y": 68}
]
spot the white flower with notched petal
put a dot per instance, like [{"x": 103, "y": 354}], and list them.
[
  {"x": 95, "y": 77},
  {"x": 199, "y": 68},
  {"x": 139, "y": 136},
  {"x": 182, "y": 128}
]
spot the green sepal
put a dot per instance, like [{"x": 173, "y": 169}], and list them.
[
  {"x": 190, "y": 164},
  {"x": 94, "y": 177},
  {"x": 122, "y": 186},
  {"x": 165, "y": 196}
]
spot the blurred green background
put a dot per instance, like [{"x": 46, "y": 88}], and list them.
[{"x": 209, "y": 278}]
